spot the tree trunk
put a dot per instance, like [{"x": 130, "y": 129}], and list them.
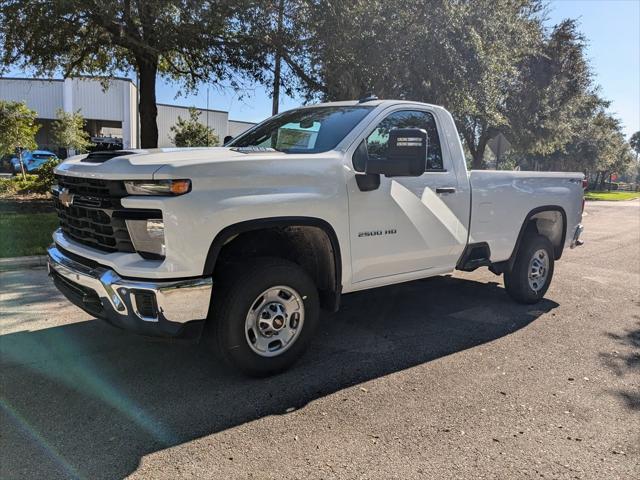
[
  {"x": 478, "y": 156},
  {"x": 24, "y": 175},
  {"x": 147, "y": 69},
  {"x": 278, "y": 62},
  {"x": 276, "y": 85},
  {"x": 602, "y": 180}
]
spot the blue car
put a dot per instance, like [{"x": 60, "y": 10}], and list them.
[{"x": 32, "y": 160}]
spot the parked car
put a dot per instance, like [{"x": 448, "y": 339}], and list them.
[
  {"x": 32, "y": 160},
  {"x": 252, "y": 239}
]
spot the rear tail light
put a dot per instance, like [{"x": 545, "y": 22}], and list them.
[{"x": 585, "y": 183}]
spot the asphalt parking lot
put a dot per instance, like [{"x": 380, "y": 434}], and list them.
[{"x": 441, "y": 378}]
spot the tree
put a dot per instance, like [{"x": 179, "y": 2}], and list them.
[
  {"x": 18, "y": 129},
  {"x": 192, "y": 133},
  {"x": 634, "y": 142},
  {"x": 491, "y": 63},
  {"x": 554, "y": 95},
  {"x": 280, "y": 29},
  {"x": 190, "y": 42},
  {"x": 597, "y": 147},
  {"x": 463, "y": 55},
  {"x": 69, "y": 133}
]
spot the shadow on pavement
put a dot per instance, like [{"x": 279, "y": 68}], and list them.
[
  {"x": 86, "y": 400},
  {"x": 626, "y": 363}
]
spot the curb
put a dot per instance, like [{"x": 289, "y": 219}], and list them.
[{"x": 18, "y": 263}]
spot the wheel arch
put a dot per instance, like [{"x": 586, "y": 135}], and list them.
[
  {"x": 544, "y": 220},
  {"x": 331, "y": 296}
]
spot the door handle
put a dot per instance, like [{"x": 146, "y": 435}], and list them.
[{"x": 441, "y": 190}]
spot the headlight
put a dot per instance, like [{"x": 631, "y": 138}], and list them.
[
  {"x": 147, "y": 237},
  {"x": 157, "y": 187}
]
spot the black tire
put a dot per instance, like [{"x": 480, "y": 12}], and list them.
[
  {"x": 516, "y": 280},
  {"x": 236, "y": 294}
]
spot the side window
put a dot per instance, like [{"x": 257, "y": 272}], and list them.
[{"x": 378, "y": 141}]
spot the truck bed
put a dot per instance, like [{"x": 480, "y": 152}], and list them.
[{"x": 501, "y": 200}]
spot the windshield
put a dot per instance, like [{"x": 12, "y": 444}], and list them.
[{"x": 306, "y": 130}]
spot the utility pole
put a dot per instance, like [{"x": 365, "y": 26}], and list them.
[
  {"x": 278, "y": 60},
  {"x": 207, "y": 116}
]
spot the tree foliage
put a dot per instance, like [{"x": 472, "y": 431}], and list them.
[
  {"x": 634, "y": 142},
  {"x": 492, "y": 63},
  {"x": 463, "y": 55},
  {"x": 186, "y": 41},
  {"x": 68, "y": 131},
  {"x": 191, "y": 132},
  {"x": 18, "y": 127}
]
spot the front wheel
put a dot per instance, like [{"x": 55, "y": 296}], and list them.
[
  {"x": 532, "y": 271},
  {"x": 264, "y": 316}
]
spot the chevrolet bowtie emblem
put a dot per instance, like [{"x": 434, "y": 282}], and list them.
[{"x": 65, "y": 197}]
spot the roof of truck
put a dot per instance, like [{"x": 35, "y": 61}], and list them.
[{"x": 371, "y": 103}]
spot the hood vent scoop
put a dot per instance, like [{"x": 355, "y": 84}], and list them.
[
  {"x": 252, "y": 149},
  {"x": 101, "y": 157}
]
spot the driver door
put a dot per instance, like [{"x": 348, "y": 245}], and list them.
[{"x": 407, "y": 226}]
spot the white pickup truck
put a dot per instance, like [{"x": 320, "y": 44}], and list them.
[{"x": 252, "y": 239}]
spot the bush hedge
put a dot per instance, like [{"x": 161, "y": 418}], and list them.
[{"x": 41, "y": 182}]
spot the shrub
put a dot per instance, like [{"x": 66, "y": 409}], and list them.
[
  {"x": 45, "y": 178},
  {"x": 6, "y": 185},
  {"x": 191, "y": 133},
  {"x": 33, "y": 183}
]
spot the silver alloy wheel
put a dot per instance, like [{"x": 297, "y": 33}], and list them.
[
  {"x": 538, "y": 270},
  {"x": 274, "y": 321}
]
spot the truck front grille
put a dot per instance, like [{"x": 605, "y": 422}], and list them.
[
  {"x": 94, "y": 228},
  {"x": 96, "y": 217}
]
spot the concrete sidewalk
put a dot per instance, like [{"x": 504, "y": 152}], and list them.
[{"x": 19, "y": 263}]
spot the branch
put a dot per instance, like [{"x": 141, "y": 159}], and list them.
[
  {"x": 78, "y": 61},
  {"x": 299, "y": 71}
]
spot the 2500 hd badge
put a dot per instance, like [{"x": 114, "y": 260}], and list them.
[{"x": 375, "y": 233}]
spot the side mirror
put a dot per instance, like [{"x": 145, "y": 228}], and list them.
[
  {"x": 227, "y": 139},
  {"x": 406, "y": 154}
]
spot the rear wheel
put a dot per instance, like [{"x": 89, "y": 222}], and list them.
[
  {"x": 264, "y": 315},
  {"x": 532, "y": 271}
]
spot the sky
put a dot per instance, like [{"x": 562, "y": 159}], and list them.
[{"x": 612, "y": 28}]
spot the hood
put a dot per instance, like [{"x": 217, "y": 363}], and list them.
[{"x": 142, "y": 164}]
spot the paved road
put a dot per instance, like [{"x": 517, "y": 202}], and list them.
[{"x": 441, "y": 378}]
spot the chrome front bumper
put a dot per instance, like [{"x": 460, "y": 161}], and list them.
[
  {"x": 101, "y": 292},
  {"x": 575, "y": 241}
]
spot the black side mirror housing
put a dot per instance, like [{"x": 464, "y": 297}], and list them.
[
  {"x": 406, "y": 154},
  {"x": 227, "y": 139},
  {"x": 366, "y": 181}
]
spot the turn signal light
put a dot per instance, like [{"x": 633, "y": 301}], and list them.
[{"x": 180, "y": 187}]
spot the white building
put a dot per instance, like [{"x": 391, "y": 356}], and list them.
[{"x": 111, "y": 112}]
